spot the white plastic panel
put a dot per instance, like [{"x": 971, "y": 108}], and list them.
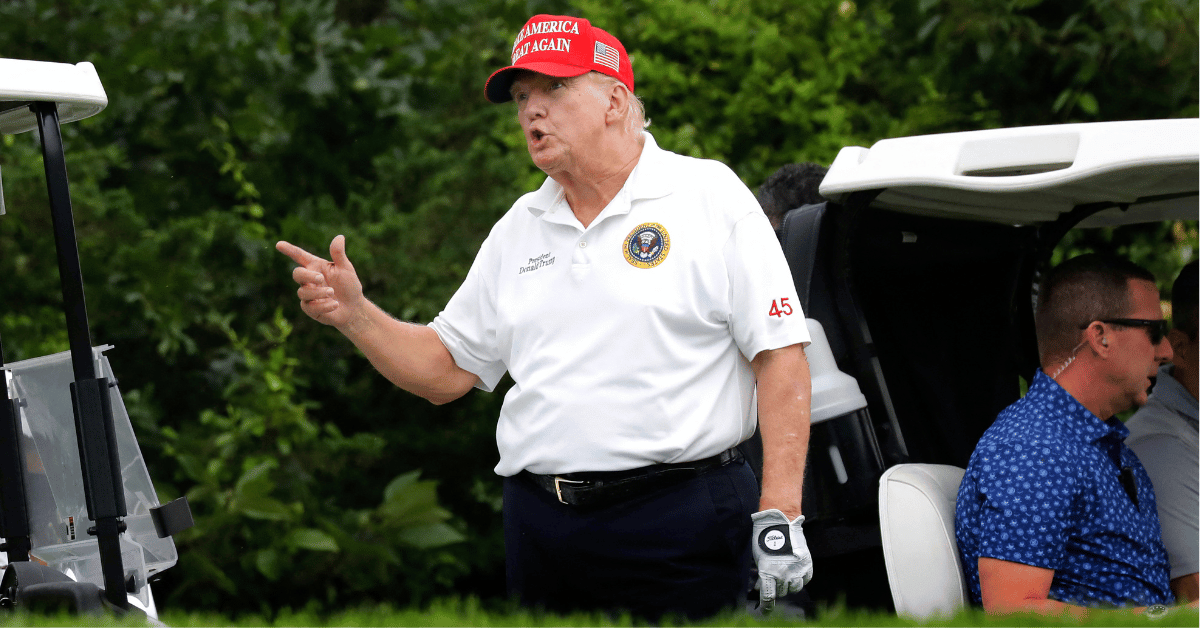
[
  {"x": 76, "y": 88},
  {"x": 1029, "y": 175},
  {"x": 834, "y": 393}
]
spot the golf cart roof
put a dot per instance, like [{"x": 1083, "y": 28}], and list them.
[
  {"x": 76, "y": 89},
  {"x": 1031, "y": 175}
]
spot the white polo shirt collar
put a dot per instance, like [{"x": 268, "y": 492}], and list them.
[{"x": 647, "y": 180}]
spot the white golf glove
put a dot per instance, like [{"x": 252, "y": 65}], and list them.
[{"x": 781, "y": 553}]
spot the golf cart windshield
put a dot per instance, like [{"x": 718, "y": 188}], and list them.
[{"x": 57, "y": 507}]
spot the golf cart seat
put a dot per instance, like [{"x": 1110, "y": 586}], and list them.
[{"x": 916, "y": 520}]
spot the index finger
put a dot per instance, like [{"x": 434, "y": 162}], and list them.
[{"x": 298, "y": 255}]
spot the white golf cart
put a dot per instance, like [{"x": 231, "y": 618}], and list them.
[
  {"x": 81, "y": 524},
  {"x": 922, "y": 270}
]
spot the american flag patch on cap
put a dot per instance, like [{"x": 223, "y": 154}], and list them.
[{"x": 607, "y": 56}]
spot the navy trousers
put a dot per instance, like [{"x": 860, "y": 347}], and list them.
[{"x": 683, "y": 550}]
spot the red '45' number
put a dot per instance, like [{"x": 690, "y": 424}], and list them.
[{"x": 780, "y": 307}]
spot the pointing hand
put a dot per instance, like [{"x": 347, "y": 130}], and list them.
[{"x": 329, "y": 292}]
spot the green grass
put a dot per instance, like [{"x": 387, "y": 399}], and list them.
[{"x": 471, "y": 613}]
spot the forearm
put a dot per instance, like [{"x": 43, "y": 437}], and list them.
[
  {"x": 784, "y": 392},
  {"x": 1009, "y": 587},
  {"x": 410, "y": 356},
  {"x": 1186, "y": 588},
  {"x": 1044, "y": 606}
]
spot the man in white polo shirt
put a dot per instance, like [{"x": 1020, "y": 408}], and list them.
[{"x": 639, "y": 299}]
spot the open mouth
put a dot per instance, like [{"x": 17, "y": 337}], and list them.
[{"x": 537, "y": 135}]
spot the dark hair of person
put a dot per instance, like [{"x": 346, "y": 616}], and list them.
[
  {"x": 792, "y": 186},
  {"x": 1184, "y": 301},
  {"x": 1083, "y": 289}
]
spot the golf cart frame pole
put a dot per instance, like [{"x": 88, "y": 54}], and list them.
[
  {"x": 14, "y": 514},
  {"x": 103, "y": 487}
]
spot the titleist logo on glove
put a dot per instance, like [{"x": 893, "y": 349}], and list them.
[{"x": 775, "y": 540}]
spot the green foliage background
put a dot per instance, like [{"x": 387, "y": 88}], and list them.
[{"x": 234, "y": 123}]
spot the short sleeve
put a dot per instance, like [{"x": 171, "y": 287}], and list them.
[
  {"x": 1171, "y": 466},
  {"x": 765, "y": 312},
  {"x": 1027, "y": 500},
  {"x": 467, "y": 326}
]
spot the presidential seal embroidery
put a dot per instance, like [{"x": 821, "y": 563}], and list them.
[{"x": 647, "y": 245}]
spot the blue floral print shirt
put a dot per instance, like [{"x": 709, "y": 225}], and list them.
[{"x": 1053, "y": 486}]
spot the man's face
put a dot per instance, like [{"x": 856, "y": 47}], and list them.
[
  {"x": 1134, "y": 358},
  {"x": 561, "y": 118}
]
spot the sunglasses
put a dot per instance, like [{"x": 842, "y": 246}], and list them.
[{"x": 1156, "y": 328}]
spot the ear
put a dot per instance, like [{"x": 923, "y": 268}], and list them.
[
  {"x": 1096, "y": 336},
  {"x": 618, "y": 104}
]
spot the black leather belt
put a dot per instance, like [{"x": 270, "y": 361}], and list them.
[{"x": 597, "y": 488}]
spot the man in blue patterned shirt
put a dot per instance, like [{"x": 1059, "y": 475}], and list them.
[{"x": 1055, "y": 513}]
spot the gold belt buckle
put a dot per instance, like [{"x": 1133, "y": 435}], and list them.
[{"x": 558, "y": 487}]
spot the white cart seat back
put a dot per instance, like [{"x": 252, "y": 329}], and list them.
[{"x": 916, "y": 520}]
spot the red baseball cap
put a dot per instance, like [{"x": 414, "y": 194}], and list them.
[{"x": 561, "y": 45}]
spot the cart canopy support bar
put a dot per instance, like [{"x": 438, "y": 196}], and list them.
[
  {"x": 69, "y": 271},
  {"x": 14, "y": 516},
  {"x": 94, "y": 427}
]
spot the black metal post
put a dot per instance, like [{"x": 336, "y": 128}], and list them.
[
  {"x": 95, "y": 430},
  {"x": 69, "y": 271},
  {"x": 14, "y": 511}
]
